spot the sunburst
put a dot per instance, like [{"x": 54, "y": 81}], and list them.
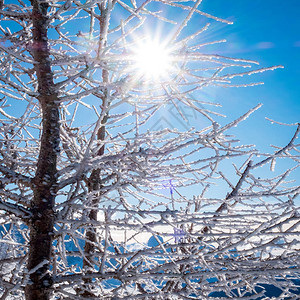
[{"x": 152, "y": 60}]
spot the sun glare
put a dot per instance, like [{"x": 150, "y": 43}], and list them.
[{"x": 152, "y": 60}]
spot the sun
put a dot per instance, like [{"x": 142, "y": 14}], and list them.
[{"x": 152, "y": 60}]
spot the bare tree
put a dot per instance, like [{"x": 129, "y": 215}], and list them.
[{"x": 101, "y": 200}]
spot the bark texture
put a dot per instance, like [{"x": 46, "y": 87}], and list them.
[{"x": 41, "y": 226}]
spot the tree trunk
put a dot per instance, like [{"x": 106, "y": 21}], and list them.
[
  {"x": 94, "y": 184},
  {"x": 42, "y": 222},
  {"x": 94, "y": 181}
]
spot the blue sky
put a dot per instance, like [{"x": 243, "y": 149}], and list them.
[
  {"x": 267, "y": 31},
  {"x": 263, "y": 30}
]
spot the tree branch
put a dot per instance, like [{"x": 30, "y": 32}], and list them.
[
  {"x": 17, "y": 210},
  {"x": 15, "y": 176},
  {"x": 289, "y": 145}
]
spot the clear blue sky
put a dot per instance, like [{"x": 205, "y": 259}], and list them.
[{"x": 267, "y": 31}]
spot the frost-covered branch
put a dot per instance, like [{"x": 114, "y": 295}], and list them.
[{"x": 15, "y": 209}]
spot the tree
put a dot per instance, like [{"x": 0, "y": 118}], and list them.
[{"x": 88, "y": 175}]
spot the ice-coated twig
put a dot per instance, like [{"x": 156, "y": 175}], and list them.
[
  {"x": 282, "y": 150},
  {"x": 17, "y": 210}
]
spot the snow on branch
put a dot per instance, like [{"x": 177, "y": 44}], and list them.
[{"x": 17, "y": 210}]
